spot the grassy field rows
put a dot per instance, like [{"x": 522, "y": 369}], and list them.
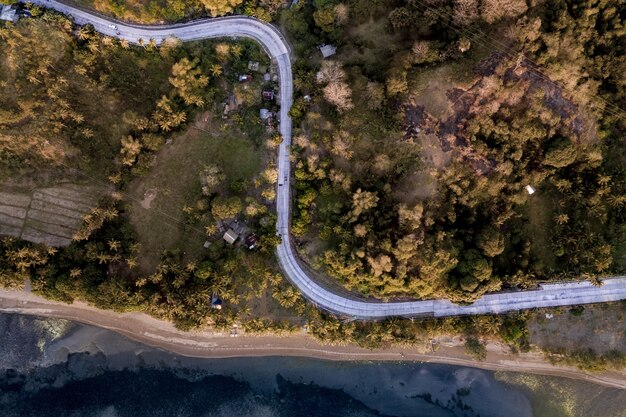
[{"x": 47, "y": 215}]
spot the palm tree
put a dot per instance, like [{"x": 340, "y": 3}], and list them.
[
  {"x": 132, "y": 262},
  {"x": 84, "y": 33},
  {"x": 191, "y": 266},
  {"x": 561, "y": 219},
  {"x": 216, "y": 70}
]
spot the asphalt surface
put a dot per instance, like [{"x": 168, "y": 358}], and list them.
[{"x": 272, "y": 41}]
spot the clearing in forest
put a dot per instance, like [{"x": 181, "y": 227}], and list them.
[{"x": 158, "y": 198}]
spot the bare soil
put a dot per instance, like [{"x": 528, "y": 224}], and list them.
[{"x": 599, "y": 327}]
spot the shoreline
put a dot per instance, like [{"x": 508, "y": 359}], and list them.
[{"x": 203, "y": 344}]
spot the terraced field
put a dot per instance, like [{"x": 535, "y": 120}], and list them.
[{"x": 47, "y": 215}]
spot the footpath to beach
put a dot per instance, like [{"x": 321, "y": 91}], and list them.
[{"x": 207, "y": 344}]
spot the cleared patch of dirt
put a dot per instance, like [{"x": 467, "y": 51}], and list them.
[
  {"x": 374, "y": 40},
  {"x": 421, "y": 185},
  {"x": 433, "y": 153},
  {"x": 148, "y": 197},
  {"x": 446, "y": 107},
  {"x": 599, "y": 327}
]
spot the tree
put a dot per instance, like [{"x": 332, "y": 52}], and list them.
[
  {"x": 474, "y": 270},
  {"x": 397, "y": 82},
  {"x": 401, "y": 17},
  {"x": 271, "y": 175},
  {"x": 220, "y": 7},
  {"x": 475, "y": 349},
  {"x": 226, "y": 207},
  {"x": 330, "y": 72},
  {"x": 130, "y": 150},
  {"x": 325, "y": 18},
  {"x": 491, "y": 242},
  {"x": 410, "y": 217},
  {"x": 362, "y": 201},
  {"x": 210, "y": 177},
  {"x": 339, "y": 94},
  {"x": 494, "y": 10},
  {"x": 561, "y": 154},
  {"x": 380, "y": 264},
  {"x": 342, "y": 13},
  {"x": 166, "y": 116},
  {"x": 424, "y": 52},
  {"x": 465, "y": 12},
  {"x": 151, "y": 141},
  {"x": 188, "y": 80}
]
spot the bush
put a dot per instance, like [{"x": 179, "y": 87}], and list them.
[{"x": 475, "y": 348}]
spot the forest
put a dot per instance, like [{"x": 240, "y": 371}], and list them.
[
  {"x": 414, "y": 147},
  {"x": 411, "y": 186}
]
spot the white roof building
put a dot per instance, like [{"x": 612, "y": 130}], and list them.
[
  {"x": 265, "y": 114},
  {"x": 328, "y": 50},
  {"x": 230, "y": 236},
  {"x": 8, "y": 13}
]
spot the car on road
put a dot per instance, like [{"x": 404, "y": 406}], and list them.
[{"x": 112, "y": 27}]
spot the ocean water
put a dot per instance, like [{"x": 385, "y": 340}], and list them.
[{"x": 52, "y": 367}]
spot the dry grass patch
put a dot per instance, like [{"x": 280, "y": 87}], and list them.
[{"x": 599, "y": 327}]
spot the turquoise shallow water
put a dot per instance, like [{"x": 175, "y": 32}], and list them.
[{"x": 51, "y": 367}]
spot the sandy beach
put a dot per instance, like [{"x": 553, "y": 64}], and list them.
[{"x": 164, "y": 335}]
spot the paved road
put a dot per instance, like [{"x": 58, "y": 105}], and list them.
[{"x": 272, "y": 41}]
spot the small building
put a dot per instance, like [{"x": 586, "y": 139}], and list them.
[
  {"x": 9, "y": 13},
  {"x": 328, "y": 50},
  {"x": 530, "y": 190},
  {"x": 251, "y": 241},
  {"x": 245, "y": 78},
  {"x": 216, "y": 302},
  {"x": 230, "y": 236},
  {"x": 268, "y": 94},
  {"x": 253, "y": 65},
  {"x": 265, "y": 114}
]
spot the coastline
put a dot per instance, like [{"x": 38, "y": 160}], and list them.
[{"x": 203, "y": 344}]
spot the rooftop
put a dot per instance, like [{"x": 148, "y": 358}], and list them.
[
  {"x": 328, "y": 50},
  {"x": 8, "y": 13},
  {"x": 230, "y": 236}
]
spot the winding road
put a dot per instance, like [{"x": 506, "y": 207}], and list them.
[{"x": 270, "y": 38}]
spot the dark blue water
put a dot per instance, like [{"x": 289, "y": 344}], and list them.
[{"x": 51, "y": 367}]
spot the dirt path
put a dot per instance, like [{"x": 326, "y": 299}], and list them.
[{"x": 161, "y": 334}]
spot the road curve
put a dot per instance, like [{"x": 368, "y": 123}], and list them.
[{"x": 548, "y": 295}]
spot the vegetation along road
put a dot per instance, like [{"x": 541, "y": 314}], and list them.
[{"x": 563, "y": 294}]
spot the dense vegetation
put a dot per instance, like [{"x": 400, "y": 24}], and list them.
[
  {"x": 101, "y": 110},
  {"x": 412, "y": 158},
  {"x": 175, "y": 10},
  {"x": 414, "y": 192}
]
